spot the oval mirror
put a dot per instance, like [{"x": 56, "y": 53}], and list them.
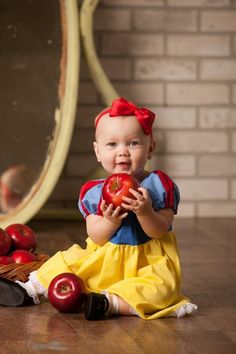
[{"x": 38, "y": 92}]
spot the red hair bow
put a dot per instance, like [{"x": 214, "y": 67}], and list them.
[{"x": 122, "y": 107}]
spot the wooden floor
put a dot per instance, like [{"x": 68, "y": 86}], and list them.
[{"x": 208, "y": 254}]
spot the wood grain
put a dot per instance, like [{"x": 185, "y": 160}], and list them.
[{"x": 207, "y": 250}]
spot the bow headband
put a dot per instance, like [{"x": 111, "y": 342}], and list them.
[{"x": 122, "y": 107}]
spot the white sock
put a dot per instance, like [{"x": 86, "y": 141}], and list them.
[
  {"x": 33, "y": 287},
  {"x": 39, "y": 288},
  {"x": 113, "y": 308},
  {"x": 184, "y": 310}
]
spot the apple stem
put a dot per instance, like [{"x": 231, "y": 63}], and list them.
[
  {"x": 65, "y": 288},
  {"x": 115, "y": 185}
]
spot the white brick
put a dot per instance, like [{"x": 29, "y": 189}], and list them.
[
  {"x": 198, "y": 45},
  {"x": 202, "y": 189},
  {"x": 82, "y": 141},
  {"x": 134, "y": 3},
  {"x": 134, "y": 44},
  {"x": 186, "y": 210},
  {"x": 86, "y": 114},
  {"x": 169, "y": 20},
  {"x": 221, "y": 209},
  {"x": 97, "y": 173},
  {"x": 159, "y": 138},
  {"x": 112, "y": 20},
  {"x": 142, "y": 93},
  {"x": 218, "y": 69},
  {"x": 199, "y": 3},
  {"x": 196, "y": 141},
  {"x": 165, "y": 69},
  {"x": 73, "y": 212},
  {"x": 233, "y": 142},
  {"x": 197, "y": 94},
  {"x": 174, "y": 118},
  {"x": 217, "y": 118},
  {"x": 233, "y": 189},
  {"x": 218, "y": 21},
  {"x": 52, "y": 205},
  {"x": 234, "y": 44},
  {"x": 234, "y": 93},
  {"x": 117, "y": 68},
  {"x": 84, "y": 71},
  {"x": 66, "y": 190},
  {"x": 87, "y": 93},
  {"x": 220, "y": 165},
  {"x": 175, "y": 165},
  {"x": 81, "y": 165}
]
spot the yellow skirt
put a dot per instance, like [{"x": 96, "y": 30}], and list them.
[{"x": 146, "y": 276}]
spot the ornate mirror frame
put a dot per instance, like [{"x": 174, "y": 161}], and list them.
[{"x": 64, "y": 121}]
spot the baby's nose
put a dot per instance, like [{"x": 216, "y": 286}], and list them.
[{"x": 123, "y": 150}]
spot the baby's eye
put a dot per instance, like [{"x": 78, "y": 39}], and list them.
[
  {"x": 111, "y": 144},
  {"x": 134, "y": 143}
]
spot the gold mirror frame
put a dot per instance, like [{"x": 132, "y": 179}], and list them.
[{"x": 64, "y": 121}]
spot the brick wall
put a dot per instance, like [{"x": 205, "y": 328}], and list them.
[{"x": 178, "y": 58}]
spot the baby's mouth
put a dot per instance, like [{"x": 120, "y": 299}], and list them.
[{"x": 123, "y": 164}]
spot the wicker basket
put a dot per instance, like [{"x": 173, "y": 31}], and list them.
[{"x": 21, "y": 271}]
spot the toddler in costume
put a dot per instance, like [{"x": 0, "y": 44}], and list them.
[{"x": 130, "y": 265}]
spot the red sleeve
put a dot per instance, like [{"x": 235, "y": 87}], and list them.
[
  {"x": 172, "y": 194},
  {"x": 84, "y": 189}
]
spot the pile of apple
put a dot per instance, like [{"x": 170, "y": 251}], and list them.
[{"x": 17, "y": 244}]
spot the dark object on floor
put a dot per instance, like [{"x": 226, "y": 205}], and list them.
[
  {"x": 95, "y": 306},
  {"x": 12, "y": 294}
]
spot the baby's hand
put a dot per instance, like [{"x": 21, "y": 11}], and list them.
[
  {"x": 112, "y": 215},
  {"x": 141, "y": 204}
]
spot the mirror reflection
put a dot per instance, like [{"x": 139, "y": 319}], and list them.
[
  {"x": 30, "y": 58},
  {"x": 15, "y": 183}
]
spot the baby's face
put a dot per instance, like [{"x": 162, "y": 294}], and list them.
[{"x": 122, "y": 146}]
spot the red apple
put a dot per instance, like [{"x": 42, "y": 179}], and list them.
[
  {"x": 22, "y": 237},
  {"x": 5, "y": 242},
  {"x": 5, "y": 260},
  {"x": 117, "y": 186},
  {"x": 23, "y": 256},
  {"x": 66, "y": 292}
]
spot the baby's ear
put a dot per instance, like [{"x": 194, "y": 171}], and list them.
[
  {"x": 96, "y": 150},
  {"x": 152, "y": 148}
]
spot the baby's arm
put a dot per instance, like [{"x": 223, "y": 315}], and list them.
[
  {"x": 101, "y": 228},
  {"x": 154, "y": 223}
]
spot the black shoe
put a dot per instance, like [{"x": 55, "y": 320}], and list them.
[
  {"x": 95, "y": 306},
  {"x": 12, "y": 294}
]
